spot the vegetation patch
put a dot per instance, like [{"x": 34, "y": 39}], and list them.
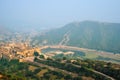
[
  {"x": 91, "y": 55},
  {"x": 32, "y": 68},
  {"x": 42, "y": 72}
]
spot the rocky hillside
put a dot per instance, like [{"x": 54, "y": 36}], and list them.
[{"x": 86, "y": 34}]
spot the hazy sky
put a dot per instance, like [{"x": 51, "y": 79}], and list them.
[{"x": 56, "y": 13}]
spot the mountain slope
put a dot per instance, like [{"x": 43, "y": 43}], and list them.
[{"x": 86, "y": 34}]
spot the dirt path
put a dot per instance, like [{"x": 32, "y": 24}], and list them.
[
  {"x": 99, "y": 53},
  {"x": 97, "y": 72},
  {"x": 103, "y": 74},
  {"x": 65, "y": 39},
  {"x": 67, "y": 72},
  {"x": 55, "y": 69}
]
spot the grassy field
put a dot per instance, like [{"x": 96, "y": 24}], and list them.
[
  {"x": 104, "y": 56},
  {"x": 83, "y": 53},
  {"x": 90, "y": 55},
  {"x": 41, "y": 73},
  {"x": 32, "y": 68}
]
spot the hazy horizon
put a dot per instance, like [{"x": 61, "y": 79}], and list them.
[{"x": 51, "y": 13}]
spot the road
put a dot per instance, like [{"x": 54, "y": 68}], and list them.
[
  {"x": 98, "y": 53},
  {"x": 54, "y": 69},
  {"x": 97, "y": 72},
  {"x": 65, "y": 39},
  {"x": 67, "y": 72},
  {"x": 103, "y": 74},
  {"x": 66, "y": 47}
]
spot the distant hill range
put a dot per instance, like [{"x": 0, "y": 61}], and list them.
[
  {"x": 5, "y": 33},
  {"x": 4, "y": 30},
  {"x": 86, "y": 34}
]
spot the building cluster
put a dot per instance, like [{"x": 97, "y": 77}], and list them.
[{"x": 17, "y": 51}]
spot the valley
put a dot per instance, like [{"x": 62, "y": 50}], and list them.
[
  {"x": 87, "y": 34},
  {"x": 63, "y": 54},
  {"x": 59, "y": 40},
  {"x": 56, "y": 60},
  {"x": 89, "y": 53}
]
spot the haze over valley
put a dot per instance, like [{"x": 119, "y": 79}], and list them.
[{"x": 59, "y": 40}]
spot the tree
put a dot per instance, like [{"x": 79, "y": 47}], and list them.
[
  {"x": 77, "y": 78},
  {"x": 36, "y": 54},
  {"x": 68, "y": 77},
  {"x": 42, "y": 56},
  {"x": 64, "y": 58}
]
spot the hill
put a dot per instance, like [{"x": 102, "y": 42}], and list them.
[
  {"x": 4, "y": 33},
  {"x": 86, "y": 34},
  {"x": 4, "y": 30}
]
